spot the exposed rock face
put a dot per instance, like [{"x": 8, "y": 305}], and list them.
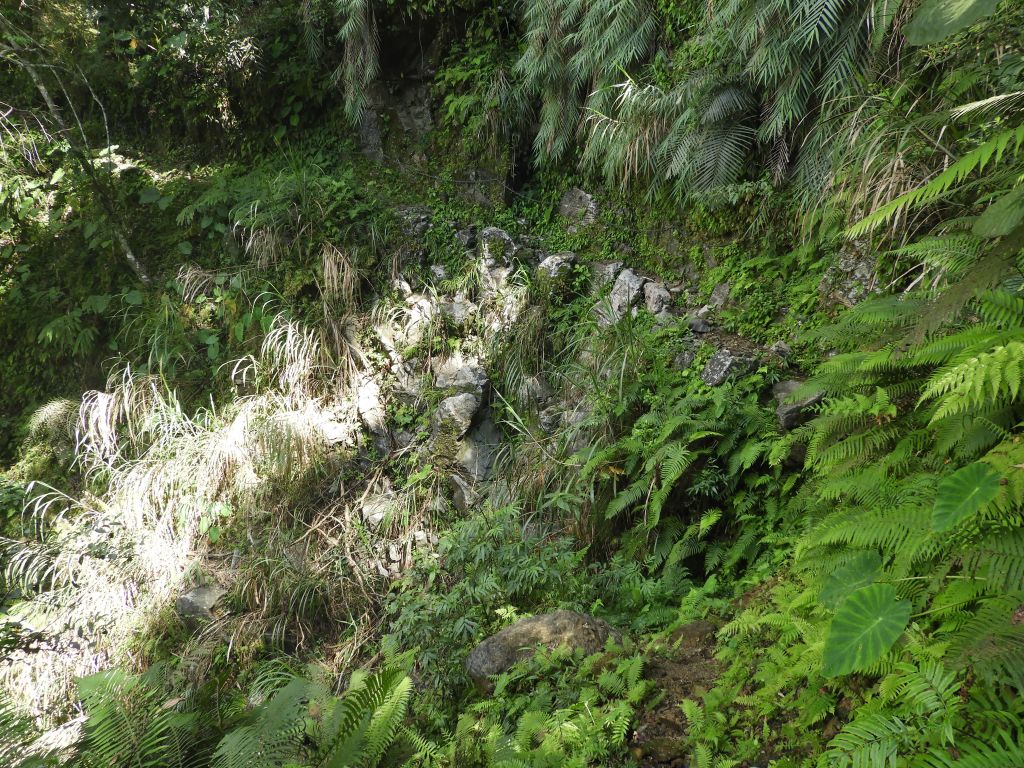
[
  {"x": 463, "y": 374},
  {"x": 656, "y": 297},
  {"x": 376, "y": 508},
  {"x": 459, "y": 312},
  {"x": 698, "y": 324},
  {"x": 416, "y": 220},
  {"x": 499, "y": 652},
  {"x": 197, "y": 604},
  {"x": 604, "y": 274},
  {"x": 625, "y": 295},
  {"x": 850, "y": 279},
  {"x": 793, "y": 414},
  {"x": 578, "y": 206},
  {"x": 724, "y": 364},
  {"x": 372, "y": 413},
  {"x": 719, "y": 295},
  {"x": 479, "y": 449},
  {"x": 496, "y": 246},
  {"x": 467, "y": 237},
  {"x": 457, "y": 411}
]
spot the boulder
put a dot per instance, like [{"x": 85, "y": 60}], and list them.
[
  {"x": 416, "y": 220},
  {"x": 724, "y": 364},
  {"x": 604, "y": 273},
  {"x": 698, "y": 324},
  {"x": 781, "y": 348},
  {"x": 556, "y": 264},
  {"x": 467, "y": 237},
  {"x": 197, "y": 604},
  {"x": 464, "y": 374},
  {"x": 579, "y": 207},
  {"x": 496, "y": 246},
  {"x": 459, "y": 312},
  {"x": 463, "y": 495},
  {"x": 516, "y": 642},
  {"x": 457, "y": 412},
  {"x": 371, "y": 412},
  {"x": 626, "y": 292},
  {"x": 550, "y": 418},
  {"x": 792, "y": 413},
  {"x": 719, "y": 295},
  {"x": 376, "y": 508},
  {"x": 479, "y": 449},
  {"x": 851, "y": 278},
  {"x": 656, "y": 297}
]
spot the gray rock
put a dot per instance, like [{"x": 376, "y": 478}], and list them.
[
  {"x": 467, "y": 237},
  {"x": 698, "y": 324},
  {"x": 479, "y": 449},
  {"x": 579, "y": 207},
  {"x": 438, "y": 272},
  {"x": 724, "y": 364},
  {"x": 781, "y": 348},
  {"x": 416, "y": 220},
  {"x": 370, "y": 143},
  {"x": 371, "y": 411},
  {"x": 656, "y": 297},
  {"x": 517, "y": 642},
  {"x": 197, "y": 604},
  {"x": 604, "y": 273},
  {"x": 550, "y": 418},
  {"x": 719, "y": 296},
  {"x": 463, "y": 496},
  {"x": 463, "y": 374},
  {"x": 851, "y": 278},
  {"x": 457, "y": 412},
  {"x": 535, "y": 391},
  {"x": 497, "y": 246},
  {"x": 626, "y": 292},
  {"x": 683, "y": 360},
  {"x": 376, "y": 508},
  {"x": 557, "y": 264},
  {"x": 459, "y": 312},
  {"x": 792, "y": 413}
]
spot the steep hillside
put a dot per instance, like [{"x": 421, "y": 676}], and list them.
[{"x": 461, "y": 384}]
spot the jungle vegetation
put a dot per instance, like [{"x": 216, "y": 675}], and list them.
[{"x": 240, "y": 239}]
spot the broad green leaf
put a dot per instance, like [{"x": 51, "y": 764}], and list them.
[
  {"x": 864, "y": 629},
  {"x": 862, "y": 570},
  {"x": 936, "y": 20},
  {"x": 133, "y": 297},
  {"x": 149, "y": 195},
  {"x": 1003, "y": 216},
  {"x": 185, "y": 248},
  {"x": 964, "y": 493}
]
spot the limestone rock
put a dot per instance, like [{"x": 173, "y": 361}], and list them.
[
  {"x": 376, "y": 508},
  {"x": 781, "y": 348},
  {"x": 793, "y": 413},
  {"x": 197, "y": 604},
  {"x": 457, "y": 411},
  {"x": 604, "y": 274},
  {"x": 463, "y": 495},
  {"x": 656, "y": 297},
  {"x": 499, "y": 652},
  {"x": 698, "y": 324},
  {"x": 625, "y": 293},
  {"x": 459, "y": 312},
  {"x": 719, "y": 295},
  {"x": 557, "y": 264},
  {"x": 497, "y": 246},
  {"x": 550, "y": 418},
  {"x": 579, "y": 207},
  {"x": 479, "y": 449},
  {"x": 416, "y": 220},
  {"x": 467, "y": 237},
  {"x": 851, "y": 278},
  {"x": 461, "y": 373},
  {"x": 724, "y": 364}
]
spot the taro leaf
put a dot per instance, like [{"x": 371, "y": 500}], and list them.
[
  {"x": 1003, "y": 216},
  {"x": 936, "y": 20},
  {"x": 963, "y": 494},
  {"x": 863, "y": 569},
  {"x": 864, "y": 628}
]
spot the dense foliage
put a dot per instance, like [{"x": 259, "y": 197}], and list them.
[{"x": 240, "y": 242}]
